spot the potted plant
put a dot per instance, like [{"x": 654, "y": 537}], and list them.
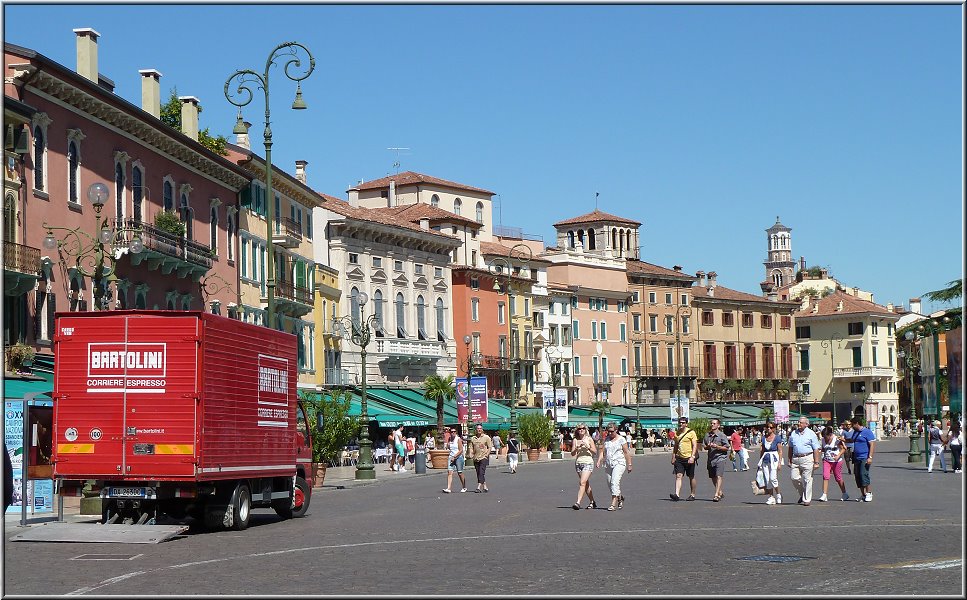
[
  {"x": 766, "y": 388},
  {"x": 747, "y": 386},
  {"x": 708, "y": 386},
  {"x": 535, "y": 431},
  {"x": 19, "y": 355},
  {"x": 440, "y": 390},
  {"x": 338, "y": 428},
  {"x": 169, "y": 222},
  {"x": 782, "y": 389}
]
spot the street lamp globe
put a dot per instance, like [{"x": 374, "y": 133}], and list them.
[
  {"x": 50, "y": 242},
  {"x": 466, "y": 339},
  {"x": 105, "y": 235},
  {"x": 97, "y": 193},
  {"x": 136, "y": 245},
  {"x": 363, "y": 298}
]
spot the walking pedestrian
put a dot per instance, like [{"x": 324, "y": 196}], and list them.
[
  {"x": 804, "y": 447},
  {"x": 684, "y": 457},
  {"x": 833, "y": 451},
  {"x": 864, "y": 445},
  {"x": 480, "y": 447},
  {"x": 456, "y": 459},
  {"x": 770, "y": 461},
  {"x": 617, "y": 459},
  {"x": 391, "y": 445},
  {"x": 846, "y": 434},
  {"x": 411, "y": 448},
  {"x": 583, "y": 450},
  {"x": 937, "y": 445},
  {"x": 955, "y": 441},
  {"x": 717, "y": 446},
  {"x": 740, "y": 454},
  {"x": 513, "y": 451},
  {"x": 498, "y": 444},
  {"x": 399, "y": 443}
]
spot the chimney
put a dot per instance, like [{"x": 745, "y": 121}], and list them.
[
  {"x": 772, "y": 296},
  {"x": 425, "y": 224},
  {"x": 915, "y": 305},
  {"x": 802, "y": 263},
  {"x": 189, "y": 116},
  {"x": 87, "y": 52},
  {"x": 391, "y": 200},
  {"x": 711, "y": 279},
  {"x": 701, "y": 277},
  {"x": 354, "y": 198},
  {"x": 151, "y": 92},
  {"x": 300, "y": 170},
  {"x": 677, "y": 268},
  {"x": 839, "y": 306},
  {"x": 242, "y": 139},
  {"x": 889, "y": 307}
]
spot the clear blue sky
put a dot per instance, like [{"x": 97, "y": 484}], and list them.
[{"x": 702, "y": 122}]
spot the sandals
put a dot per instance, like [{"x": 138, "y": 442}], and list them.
[
  {"x": 576, "y": 506},
  {"x": 590, "y": 506},
  {"x": 690, "y": 498},
  {"x": 611, "y": 508}
]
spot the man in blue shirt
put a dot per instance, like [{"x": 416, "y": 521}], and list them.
[
  {"x": 864, "y": 445},
  {"x": 804, "y": 450}
]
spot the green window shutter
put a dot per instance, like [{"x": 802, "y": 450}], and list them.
[
  {"x": 245, "y": 197},
  {"x": 300, "y": 274}
]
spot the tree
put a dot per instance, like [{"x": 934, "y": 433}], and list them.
[
  {"x": 338, "y": 427},
  {"x": 440, "y": 389},
  {"x": 600, "y": 407},
  {"x": 953, "y": 291},
  {"x": 171, "y": 116}
]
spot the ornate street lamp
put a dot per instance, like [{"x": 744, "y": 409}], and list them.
[
  {"x": 686, "y": 308},
  {"x": 502, "y": 268},
  {"x": 469, "y": 371},
  {"x": 913, "y": 363},
  {"x": 828, "y": 345},
  {"x": 360, "y": 332},
  {"x": 640, "y": 385},
  {"x": 554, "y": 358},
  {"x": 289, "y": 52},
  {"x": 88, "y": 250}
]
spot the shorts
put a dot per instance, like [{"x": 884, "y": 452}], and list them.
[
  {"x": 456, "y": 464},
  {"x": 683, "y": 466},
  {"x": 716, "y": 469},
  {"x": 579, "y": 467},
  {"x": 861, "y": 473},
  {"x": 401, "y": 450}
]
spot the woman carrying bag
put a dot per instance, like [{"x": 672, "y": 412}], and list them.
[{"x": 770, "y": 460}]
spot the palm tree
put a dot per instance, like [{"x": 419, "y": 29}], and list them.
[
  {"x": 600, "y": 407},
  {"x": 953, "y": 291},
  {"x": 440, "y": 389}
]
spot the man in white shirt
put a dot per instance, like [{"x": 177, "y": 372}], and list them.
[{"x": 804, "y": 447}]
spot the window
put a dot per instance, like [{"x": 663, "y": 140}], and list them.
[
  {"x": 804, "y": 359},
  {"x": 512, "y": 301},
  {"x": 622, "y": 332},
  {"x": 230, "y": 230},
  {"x": 398, "y": 266},
  {"x": 564, "y": 308},
  {"x": 169, "y": 196},
  {"x": 354, "y": 305},
  {"x": 480, "y": 208},
  {"x": 378, "y": 312},
  {"x": 637, "y": 357},
  {"x": 747, "y": 319},
  {"x": 873, "y": 328},
  {"x": 119, "y": 190},
  {"x": 889, "y": 356},
  {"x": 653, "y": 297},
  {"x": 552, "y": 335},
  {"x": 635, "y": 322},
  {"x": 187, "y": 216},
  {"x": 309, "y": 235},
  {"x": 785, "y": 322},
  {"x": 501, "y": 319},
  {"x": 438, "y": 272},
  {"x": 653, "y": 323},
  {"x": 421, "y": 318},
  {"x": 474, "y": 283},
  {"x": 669, "y": 324},
  {"x": 670, "y": 358},
  {"x": 874, "y": 357},
  {"x": 565, "y": 335},
  {"x": 552, "y": 308},
  {"x": 435, "y": 201},
  {"x": 594, "y": 330},
  {"x": 457, "y": 205},
  {"x": 213, "y": 221},
  {"x": 708, "y": 318},
  {"x": 855, "y": 328},
  {"x": 73, "y": 172},
  {"x": 686, "y": 360},
  {"x": 594, "y": 369},
  {"x": 803, "y": 332},
  {"x": 377, "y": 262},
  {"x": 474, "y": 309},
  {"x": 137, "y": 191},
  {"x": 574, "y": 301},
  {"x": 441, "y": 321},
  {"x": 708, "y": 358},
  {"x": 40, "y": 158},
  {"x": 577, "y": 365},
  {"x": 857, "y": 356},
  {"x": 635, "y": 297},
  {"x": 604, "y": 330},
  {"x": 576, "y": 327},
  {"x": 400, "y": 316},
  {"x": 417, "y": 269},
  {"x": 353, "y": 258},
  {"x": 728, "y": 319},
  {"x": 684, "y": 299},
  {"x": 766, "y": 321},
  {"x": 685, "y": 325},
  {"x": 668, "y": 298},
  {"x": 527, "y": 305},
  {"x": 857, "y": 387}
]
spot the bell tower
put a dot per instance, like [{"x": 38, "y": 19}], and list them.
[{"x": 779, "y": 264}]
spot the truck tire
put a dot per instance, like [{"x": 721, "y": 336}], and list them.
[
  {"x": 302, "y": 493},
  {"x": 241, "y": 507}
]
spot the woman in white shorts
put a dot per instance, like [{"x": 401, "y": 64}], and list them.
[
  {"x": 583, "y": 451},
  {"x": 455, "y": 461}
]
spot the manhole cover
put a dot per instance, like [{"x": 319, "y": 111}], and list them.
[
  {"x": 107, "y": 556},
  {"x": 776, "y": 558}
]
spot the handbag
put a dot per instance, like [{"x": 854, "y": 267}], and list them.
[
  {"x": 731, "y": 454},
  {"x": 759, "y": 483}
]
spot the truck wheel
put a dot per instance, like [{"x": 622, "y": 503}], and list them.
[
  {"x": 242, "y": 507},
  {"x": 284, "y": 507}
]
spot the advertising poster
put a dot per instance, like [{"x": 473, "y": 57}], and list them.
[
  {"x": 547, "y": 393},
  {"x": 678, "y": 408},
  {"x": 476, "y": 392},
  {"x": 955, "y": 366},
  {"x": 40, "y": 492},
  {"x": 928, "y": 377},
  {"x": 780, "y": 409}
]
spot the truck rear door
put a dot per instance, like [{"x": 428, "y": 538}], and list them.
[{"x": 126, "y": 389}]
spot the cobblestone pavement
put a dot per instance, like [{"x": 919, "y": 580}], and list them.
[{"x": 401, "y": 535}]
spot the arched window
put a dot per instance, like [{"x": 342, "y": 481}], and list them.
[
  {"x": 480, "y": 212},
  {"x": 581, "y": 236},
  {"x": 73, "y": 172},
  {"x": 378, "y": 311},
  {"x": 169, "y": 196},
  {"x": 10, "y": 218},
  {"x": 570, "y": 239},
  {"x": 214, "y": 229},
  {"x": 40, "y": 157},
  {"x": 119, "y": 190},
  {"x": 400, "y": 316},
  {"x": 441, "y": 321},
  {"x": 457, "y": 204},
  {"x": 231, "y": 236},
  {"x": 591, "y": 240},
  {"x": 435, "y": 201},
  {"x": 354, "y": 306},
  {"x": 777, "y": 278},
  {"x": 614, "y": 238},
  {"x": 187, "y": 216},
  {"x": 421, "y": 317},
  {"x": 137, "y": 192}
]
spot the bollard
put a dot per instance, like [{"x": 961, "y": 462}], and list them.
[{"x": 420, "y": 460}]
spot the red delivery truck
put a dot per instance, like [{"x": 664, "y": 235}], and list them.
[{"x": 179, "y": 413}]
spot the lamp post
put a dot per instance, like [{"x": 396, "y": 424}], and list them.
[
  {"x": 686, "y": 308},
  {"x": 88, "y": 250},
  {"x": 639, "y": 387},
  {"x": 466, "y": 343},
  {"x": 359, "y": 331},
  {"x": 828, "y": 345},
  {"x": 288, "y": 51},
  {"x": 554, "y": 359},
  {"x": 913, "y": 363},
  {"x": 501, "y": 267}
]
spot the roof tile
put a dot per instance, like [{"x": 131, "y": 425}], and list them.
[
  {"x": 412, "y": 177},
  {"x": 594, "y": 216}
]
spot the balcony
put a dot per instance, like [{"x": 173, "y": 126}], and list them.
[
  {"x": 339, "y": 377},
  {"x": 288, "y": 233},
  {"x": 166, "y": 251},
  {"x": 659, "y": 371},
  {"x": 21, "y": 268},
  {"x": 853, "y": 372},
  {"x": 413, "y": 352},
  {"x": 602, "y": 381},
  {"x": 293, "y": 299},
  {"x": 492, "y": 363}
]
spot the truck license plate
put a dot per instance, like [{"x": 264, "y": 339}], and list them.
[{"x": 126, "y": 492}]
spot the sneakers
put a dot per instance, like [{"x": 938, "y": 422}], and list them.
[
  {"x": 463, "y": 491},
  {"x": 958, "y": 471},
  {"x": 674, "y": 497},
  {"x": 778, "y": 498},
  {"x": 822, "y": 498},
  {"x": 868, "y": 497},
  {"x": 402, "y": 470},
  {"x": 845, "y": 497},
  {"x": 771, "y": 500}
]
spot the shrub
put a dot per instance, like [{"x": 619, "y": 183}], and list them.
[
  {"x": 168, "y": 221},
  {"x": 535, "y": 430}
]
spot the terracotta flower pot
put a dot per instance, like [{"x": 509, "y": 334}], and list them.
[
  {"x": 533, "y": 454},
  {"x": 319, "y": 474},
  {"x": 439, "y": 458}
]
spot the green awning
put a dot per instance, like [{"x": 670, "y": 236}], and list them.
[
  {"x": 393, "y": 421},
  {"x": 16, "y": 388}
]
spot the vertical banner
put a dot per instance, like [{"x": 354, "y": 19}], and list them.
[
  {"x": 678, "y": 407},
  {"x": 955, "y": 362},
  {"x": 780, "y": 410},
  {"x": 476, "y": 393},
  {"x": 547, "y": 395},
  {"x": 928, "y": 377}
]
